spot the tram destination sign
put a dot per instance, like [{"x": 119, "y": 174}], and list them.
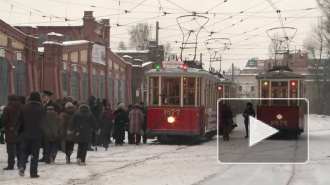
[
  {"x": 280, "y": 84},
  {"x": 172, "y": 62}
]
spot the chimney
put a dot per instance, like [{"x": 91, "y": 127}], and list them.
[
  {"x": 88, "y": 15},
  {"x": 55, "y": 37}
]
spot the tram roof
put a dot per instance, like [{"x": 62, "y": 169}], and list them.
[
  {"x": 279, "y": 74},
  {"x": 181, "y": 72}
]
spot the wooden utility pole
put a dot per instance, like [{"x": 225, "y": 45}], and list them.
[{"x": 157, "y": 53}]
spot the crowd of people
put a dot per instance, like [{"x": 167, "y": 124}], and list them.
[{"x": 36, "y": 122}]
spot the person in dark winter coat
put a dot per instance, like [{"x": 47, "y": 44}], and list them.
[
  {"x": 95, "y": 106},
  {"x": 29, "y": 123},
  {"x": 227, "y": 120},
  {"x": 65, "y": 123},
  {"x": 247, "y": 113},
  {"x": 105, "y": 122},
  {"x": 121, "y": 120},
  {"x": 129, "y": 108},
  {"x": 50, "y": 127},
  {"x": 2, "y": 129},
  {"x": 13, "y": 142},
  {"x": 135, "y": 123},
  {"x": 46, "y": 96},
  {"x": 83, "y": 123},
  {"x": 144, "y": 124}
]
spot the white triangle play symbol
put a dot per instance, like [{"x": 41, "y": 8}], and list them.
[{"x": 259, "y": 131}]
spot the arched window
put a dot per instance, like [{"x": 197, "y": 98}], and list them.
[
  {"x": 117, "y": 91},
  {"x": 4, "y": 80},
  {"x": 19, "y": 78},
  {"x": 65, "y": 82},
  {"x": 102, "y": 87},
  {"x": 123, "y": 91},
  {"x": 111, "y": 91},
  {"x": 75, "y": 85},
  {"x": 84, "y": 86},
  {"x": 94, "y": 84}
]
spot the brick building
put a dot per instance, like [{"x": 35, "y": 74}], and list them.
[{"x": 19, "y": 70}]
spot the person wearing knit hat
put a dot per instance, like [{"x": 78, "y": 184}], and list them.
[
  {"x": 65, "y": 122},
  {"x": 51, "y": 135},
  {"x": 121, "y": 119}
]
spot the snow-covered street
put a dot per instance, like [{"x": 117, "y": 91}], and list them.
[{"x": 154, "y": 163}]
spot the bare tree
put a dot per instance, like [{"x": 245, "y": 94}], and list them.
[
  {"x": 140, "y": 35},
  {"x": 122, "y": 45},
  {"x": 167, "y": 48},
  {"x": 314, "y": 45},
  {"x": 324, "y": 5}
]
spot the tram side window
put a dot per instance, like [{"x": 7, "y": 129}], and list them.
[
  {"x": 153, "y": 90},
  {"x": 189, "y": 90},
  {"x": 171, "y": 91}
]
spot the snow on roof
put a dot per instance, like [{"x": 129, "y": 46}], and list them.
[
  {"x": 127, "y": 56},
  {"x": 67, "y": 43},
  {"x": 26, "y": 25},
  {"x": 41, "y": 49},
  {"x": 130, "y": 51},
  {"x": 250, "y": 68},
  {"x": 57, "y": 34},
  {"x": 147, "y": 63},
  {"x": 52, "y": 42}
]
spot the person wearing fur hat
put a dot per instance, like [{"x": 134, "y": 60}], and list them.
[
  {"x": 66, "y": 117},
  {"x": 13, "y": 142},
  {"x": 51, "y": 134},
  {"x": 121, "y": 119},
  {"x": 82, "y": 124},
  {"x": 28, "y": 124}
]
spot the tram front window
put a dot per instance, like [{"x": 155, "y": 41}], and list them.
[
  {"x": 171, "y": 91},
  {"x": 279, "y": 90},
  {"x": 153, "y": 90}
]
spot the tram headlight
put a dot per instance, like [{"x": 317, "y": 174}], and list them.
[{"x": 171, "y": 119}]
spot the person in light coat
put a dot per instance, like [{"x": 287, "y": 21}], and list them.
[{"x": 135, "y": 125}]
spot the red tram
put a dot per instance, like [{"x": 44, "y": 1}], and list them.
[
  {"x": 182, "y": 103},
  {"x": 282, "y": 107}
]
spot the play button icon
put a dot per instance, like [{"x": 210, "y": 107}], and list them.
[{"x": 259, "y": 131}]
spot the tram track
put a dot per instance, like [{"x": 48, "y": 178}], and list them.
[{"x": 96, "y": 175}]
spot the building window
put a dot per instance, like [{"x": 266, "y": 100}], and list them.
[
  {"x": 75, "y": 85},
  {"x": 84, "y": 86},
  {"x": 4, "y": 80},
  {"x": 240, "y": 88},
  {"x": 117, "y": 91},
  {"x": 252, "y": 88},
  {"x": 111, "y": 91},
  {"x": 102, "y": 87},
  {"x": 19, "y": 78},
  {"x": 94, "y": 85},
  {"x": 65, "y": 82},
  {"x": 123, "y": 91}
]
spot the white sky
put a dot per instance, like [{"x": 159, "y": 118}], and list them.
[{"x": 248, "y": 35}]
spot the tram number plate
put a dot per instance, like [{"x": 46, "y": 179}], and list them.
[
  {"x": 169, "y": 112},
  {"x": 278, "y": 122}
]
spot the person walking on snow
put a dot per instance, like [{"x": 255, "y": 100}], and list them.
[{"x": 83, "y": 123}]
